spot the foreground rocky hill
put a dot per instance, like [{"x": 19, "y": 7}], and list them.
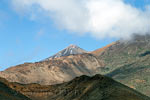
[
  {"x": 129, "y": 62},
  {"x": 81, "y": 88},
  {"x": 54, "y": 71}
]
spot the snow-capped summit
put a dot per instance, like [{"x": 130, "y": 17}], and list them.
[{"x": 70, "y": 50}]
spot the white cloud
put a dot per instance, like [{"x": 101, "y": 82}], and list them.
[{"x": 100, "y": 18}]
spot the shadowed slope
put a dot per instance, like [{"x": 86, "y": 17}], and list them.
[{"x": 6, "y": 93}]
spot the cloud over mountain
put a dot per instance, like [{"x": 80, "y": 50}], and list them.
[{"x": 99, "y": 18}]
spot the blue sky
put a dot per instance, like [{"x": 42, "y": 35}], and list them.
[{"x": 23, "y": 39}]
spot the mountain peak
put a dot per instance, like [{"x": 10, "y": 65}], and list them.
[
  {"x": 73, "y": 46},
  {"x": 70, "y": 50}
]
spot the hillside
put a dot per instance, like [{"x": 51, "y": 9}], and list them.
[
  {"x": 97, "y": 87},
  {"x": 129, "y": 63}
]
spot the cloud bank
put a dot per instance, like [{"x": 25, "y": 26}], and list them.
[{"x": 99, "y": 18}]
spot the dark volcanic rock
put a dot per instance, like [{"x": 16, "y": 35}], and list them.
[{"x": 6, "y": 93}]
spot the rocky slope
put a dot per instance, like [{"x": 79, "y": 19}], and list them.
[
  {"x": 129, "y": 62},
  {"x": 54, "y": 71},
  {"x": 81, "y": 88},
  {"x": 6, "y": 93}
]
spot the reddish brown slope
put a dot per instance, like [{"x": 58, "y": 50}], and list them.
[{"x": 99, "y": 51}]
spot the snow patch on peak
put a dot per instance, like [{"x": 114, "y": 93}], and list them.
[{"x": 70, "y": 50}]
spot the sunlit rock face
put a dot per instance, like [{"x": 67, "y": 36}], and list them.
[{"x": 54, "y": 71}]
